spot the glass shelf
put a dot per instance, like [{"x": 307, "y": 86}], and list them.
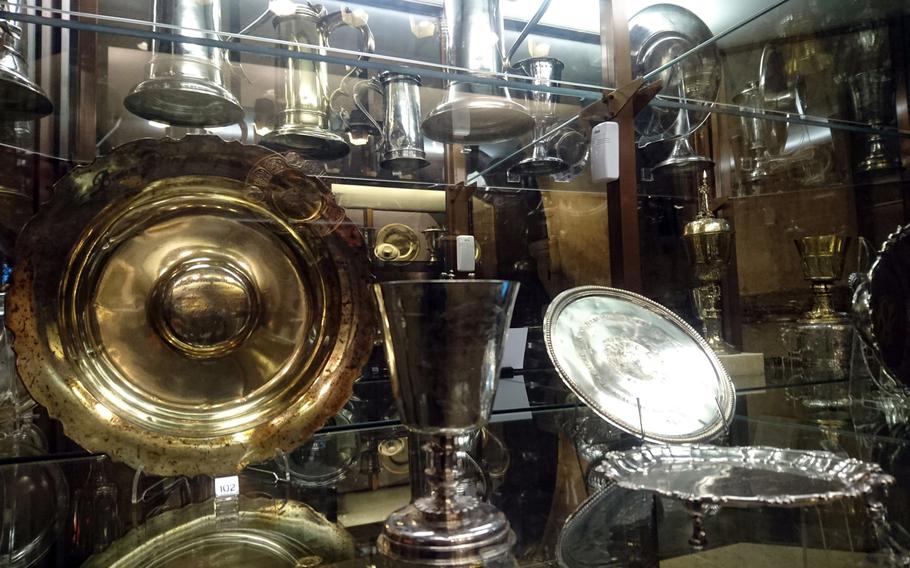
[
  {"x": 542, "y": 484},
  {"x": 120, "y": 42},
  {"x": 120, "y": 36}
]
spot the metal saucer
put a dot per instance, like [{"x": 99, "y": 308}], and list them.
[
  {"x": 881, "y": 309},
  {"x": 596, "y": 534},
  {"x": 264, "y": 532},
  {"x": 657, "y": 34},
  {"x": 190, "y": 306}
]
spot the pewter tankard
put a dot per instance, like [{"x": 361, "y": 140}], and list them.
[
  {"x": 20, "y": 97},
  {"x": 472, "y": 113},
  {"x": 186, "y": 85},
  {"x": 303, "y": 124},
  {"x": 402, "y": 141}
]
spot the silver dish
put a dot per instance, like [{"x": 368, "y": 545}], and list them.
[
  {"x": 881, "y": 309},
  {"x": 638, "y": 365},
  {"x": 263, "y": 532},
  {"x": 658, "y": 34},
  {"x": 598, "y": 533},
  {"x": 742, "y": 477}
]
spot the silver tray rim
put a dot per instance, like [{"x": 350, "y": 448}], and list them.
[
  {"x": 860, "y": 478},
  {"x": 565, "y": 298}
]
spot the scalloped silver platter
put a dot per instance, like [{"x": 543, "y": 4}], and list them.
[
  {"x": 742, "y": 476},
  {"x": 888, "y": 308},
  {"x": 638, "y": 365}
]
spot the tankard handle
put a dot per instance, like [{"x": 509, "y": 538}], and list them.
[
  {"x": 346, "y": 17},
  {"x": 359, "y": 96}
]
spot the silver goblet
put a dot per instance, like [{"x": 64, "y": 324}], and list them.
[{"x": 444, "y": 341}]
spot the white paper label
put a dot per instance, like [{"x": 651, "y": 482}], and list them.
[{"x": 227, "y": 486}]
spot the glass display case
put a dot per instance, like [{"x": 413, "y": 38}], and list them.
[{"x": 349, "y": 285}]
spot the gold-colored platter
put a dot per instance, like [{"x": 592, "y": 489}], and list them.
[
  {"x": 261, "y": 532},
  {"x": 396, "y": 242},
  {"x": 190, "y": 306}
]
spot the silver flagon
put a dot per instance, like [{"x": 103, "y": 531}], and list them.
[
  {"x": 303, "y": 123},
  {"x": 472, "y": 113},
  {"x": 186, "y": 84},
  {"x": 20, "y": 97}
]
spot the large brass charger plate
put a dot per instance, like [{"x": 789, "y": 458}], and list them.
[
  {"x": 190, "y": 306},
  {"x": 261, "y": 532}
]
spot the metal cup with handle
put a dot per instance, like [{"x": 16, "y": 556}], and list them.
[
  {"x": 303, "y": 124},
  {"x": 402, "y": 140},
  {"x": 186, "y": 84}
]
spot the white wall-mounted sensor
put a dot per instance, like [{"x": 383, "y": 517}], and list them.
[
  {"x": 464, "y": 253},
  {"x": 605, "y": 152}
]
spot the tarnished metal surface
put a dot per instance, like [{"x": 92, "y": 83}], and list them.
[
  {"x": 742, "y": 477},
  {"x": 263, "y": 532},
  {"x": 190, "y": 306},
  {"x": 638, "y": 365}
]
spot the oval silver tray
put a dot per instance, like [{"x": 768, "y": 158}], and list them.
[
  {"x": 638, "y": 365},
  {"x": 741, "y": 477}
]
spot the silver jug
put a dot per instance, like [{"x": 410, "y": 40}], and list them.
[
  {"x": 544, "y": 71},
  {"x": 472, "y": 113},
  {"x": 20, "y": 97},
  {"x": 303, "y": 124},
  {"x": 402, "y": 141},
  {"x": 186, "y": 84}
]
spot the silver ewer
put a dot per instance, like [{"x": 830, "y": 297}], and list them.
[
  {"x": 543, "y": 71},
  {"x": 303, "y": 123},
  {"x": 444, "y": 341},
  {"x": 402, "y": 140},
  {"x": 20, "y": 97},
  {"x": 472, "y": 113},
  {"x": 186, "y": 85}
]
